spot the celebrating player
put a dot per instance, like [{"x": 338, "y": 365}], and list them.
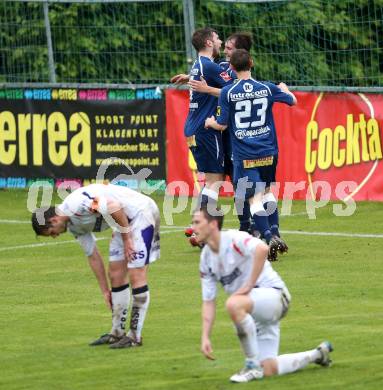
[
  {"x": 241, "y": 40},
  {"x": 206, "y": 147},
  {"x": 246, "y": 109},
  {"x": 258, "y": 299},
  {"x": 135, "y": 220}
]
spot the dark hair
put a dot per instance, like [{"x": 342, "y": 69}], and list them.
[
  {"x": 200, "y": 37},
  {"x": 44, "y": 215},
  {"x": 242, "y": 40},
  {"x": 212, "y": 215},
  {"x": 241, "y": 60}
]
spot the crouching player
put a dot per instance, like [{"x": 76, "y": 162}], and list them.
[
  {"x": 135, "y": 219},
  {"x": 258, "y": 299}
]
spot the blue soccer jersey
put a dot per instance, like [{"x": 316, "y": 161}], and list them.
[
  {"x": 203, "y": 105},
  {"x": 246, "y": 108},
  {"x": 225, "y": 65}
]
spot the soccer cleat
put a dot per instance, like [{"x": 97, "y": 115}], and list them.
[
  {"x": 282, "y": 246},
  {"x": 247, "y": 374},
  {"x": 276, "y": 245},
  {"x": 324, "y": 348},
  {"x": 126, "y": 342},
  {"x": 273, "y": 250},
  {"x": 106, "y": 338}
]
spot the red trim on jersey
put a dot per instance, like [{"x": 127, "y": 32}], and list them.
[
  {"x": 247, "y": 240},
  {"x": 237, "y": 249},
  {"x": 225, "y": 76}
]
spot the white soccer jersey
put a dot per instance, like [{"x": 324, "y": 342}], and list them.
[
  {"x": 87, "y": 210},
  {"x": 233, "y": 264}
]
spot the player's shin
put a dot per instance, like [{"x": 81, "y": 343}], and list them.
[
  {"x": 140, "y": 304},
  {"x": 261, "y": 220},
  {"x": 247, "y": 334},
  {"x": 243, "y": 211},
  {"x": 120, "y": 305},
  {"x": 296, "y": 361},
  {"x": 271, "y": 206}
]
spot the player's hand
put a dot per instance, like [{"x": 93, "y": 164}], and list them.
[
  {"x": 180, "y": 79},
  {"x": 198, "y": 85},
  {"x": 283, "y": 87},
  {"x": 209, "y": 121},
  {"x": 129, "y": 254},
  {"x": 207, "y": 349},
  {"x": 244, "y": 290},
  {"x": 108, "y": 299}
]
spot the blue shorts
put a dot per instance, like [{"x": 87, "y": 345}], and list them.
[
  {"x": 226, "y": 142},
  {"x": 207, "y": 151},
  {"x": 256, "y": 175}
]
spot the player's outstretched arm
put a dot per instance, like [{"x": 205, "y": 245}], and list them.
[
  {"x": 202, "y": 87},
  {"x": 97, "y": 266},
  {"x": 285, "y": 89},
  {"x": 208, "y": 317},
  {"x": 180, "y": 79}
]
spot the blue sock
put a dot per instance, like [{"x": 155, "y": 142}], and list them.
[
  {"x": 273, "y": 217},
  {"x": 243, "y": 210},
  {"x": 261, "y": 220}
]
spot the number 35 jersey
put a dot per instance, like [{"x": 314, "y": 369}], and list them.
[{"x": 246, "y": 107}]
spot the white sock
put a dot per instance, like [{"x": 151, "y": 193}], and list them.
[
  {"x": 120, "y": 303},
  {"x": 296, "y": 361},
  {"x": 257, "y": 209},
  {"x": 269, "y": 200},
  {"x": 247, "y": 334},
  {"x": 210, "y": 193},
  {"x": 140, "y": 304}
]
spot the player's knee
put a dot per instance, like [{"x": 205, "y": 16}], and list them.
[
  {"x": 137, "y": 276},
  {"x": 117, "y": 275},
  {"x": 233, "y": 305},
  {"x": 270, "y": 367}
]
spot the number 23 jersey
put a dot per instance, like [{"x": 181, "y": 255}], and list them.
[{"x": 246, "y": 107}]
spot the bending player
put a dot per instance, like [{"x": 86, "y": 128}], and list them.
[{"x": 134, "y": 245}]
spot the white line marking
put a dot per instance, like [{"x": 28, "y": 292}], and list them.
[
  {"x": 7, "y": 248},
  {"x": 40, "y": 244},
  {"x": 280, "y": 215},
  {"x": 12, "y": 221},
  {"x": 15, "y": 221},
  {"x": 177, "y": 229},
  {"x": 333, "y": 234}
]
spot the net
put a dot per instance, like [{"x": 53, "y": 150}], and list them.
[{"x": 302, "y": 42}]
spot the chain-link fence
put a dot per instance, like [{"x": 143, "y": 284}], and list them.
[{"x": 312, "y": 43}]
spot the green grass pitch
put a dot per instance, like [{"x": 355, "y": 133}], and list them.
[{"x": 51, "y": 308}]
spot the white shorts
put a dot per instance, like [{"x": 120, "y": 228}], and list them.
[
  {"x": 146, "y": 239},
  {"x": 268, "y": 309}
]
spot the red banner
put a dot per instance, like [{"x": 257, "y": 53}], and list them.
[{"x": 330, "y": 146}]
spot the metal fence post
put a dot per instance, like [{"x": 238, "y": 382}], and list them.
[
  {"x": 189, "y": 25},
  {"x": 51, "y": 62}
]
